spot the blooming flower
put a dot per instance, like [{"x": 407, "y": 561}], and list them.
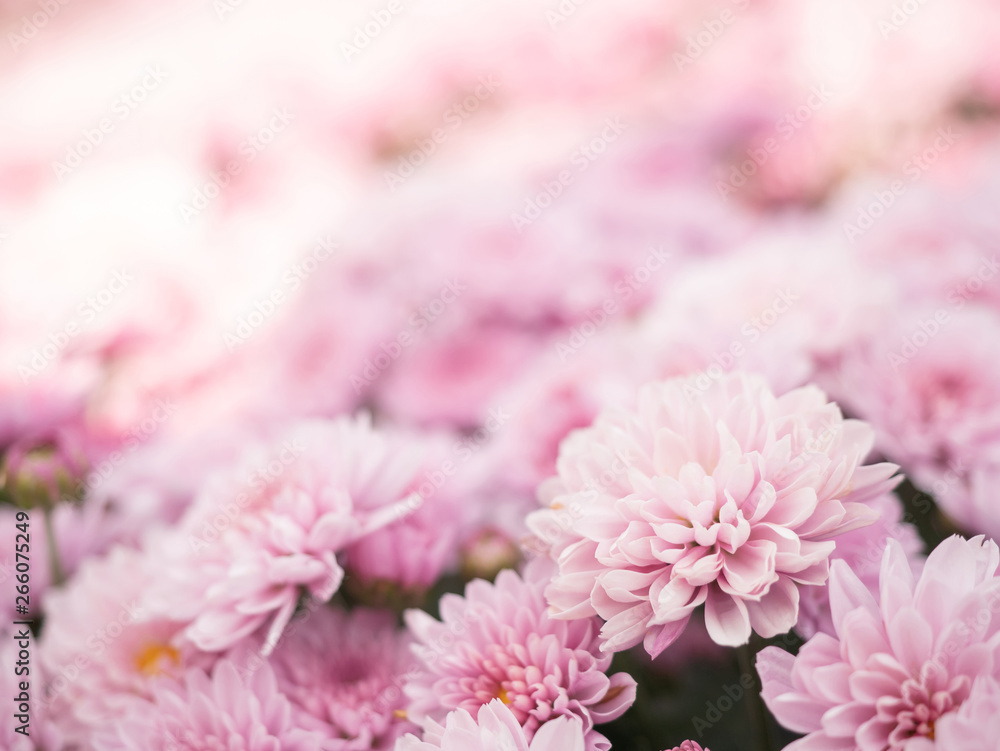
[
  {"x": 245, "y": 551},
  {"x": 899, "y": 665},
  {"x": 341, "y": 674},
  {"x": 413, "y": 551},
  {"x": 498, "y": 642},
  {"x": 861, "y": 549},
  {"x": 100, "y": 648},
  {"x": 930, "y": 391},
  {"x": 783, "y": 307},
  {"x": 717, "y": 493},
  {"x": 495, "y": 727},
  {"x": 976, "y": 724},
  {"x": 688, "y": 746},
  {"x": 218, "y": 711}
]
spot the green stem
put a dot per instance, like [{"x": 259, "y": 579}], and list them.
[
  {"x": 55, "y": 565},
  {"x": 755, "y": 706}
]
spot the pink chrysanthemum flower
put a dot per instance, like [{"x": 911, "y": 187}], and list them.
[
  {"x": 498, "y": 642},
  {"x": 100, "y": 648},
  {"x": 862, "y": 550},
  {"x": 223, "y": 711},
  {"x": 976, "y": 724},
  {"x": 413, "y": 552},
  {"x": 495, "y": 727},
  {"x": 688, "y": 746},
  {"x": 342, "y": 673},
  {"x": 930, "y": 391},
  {"x": 897, "y": 665},
  {"x": 711, "y": 491},
  {"x": 249, "y": 549}
]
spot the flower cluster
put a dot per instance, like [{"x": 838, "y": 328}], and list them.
[{"x": 500, "y": 376}]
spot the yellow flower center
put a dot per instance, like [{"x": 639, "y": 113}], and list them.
[{"x": 150, "y": 661}]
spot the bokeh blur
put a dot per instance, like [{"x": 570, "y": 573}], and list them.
[{"x": 484, "y": 221}]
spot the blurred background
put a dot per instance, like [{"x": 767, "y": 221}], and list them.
[{"x": 489, "y": 218}]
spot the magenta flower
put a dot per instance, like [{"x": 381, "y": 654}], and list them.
[
  {"x": 223, "y": 710},
  {"x": 713, "y": 492},
  {"x": 898, "y": 665},
  {"x": 688, "y": 746},
  {"x": 495, "y": 727},
  {"x": 498, "y": 642}
]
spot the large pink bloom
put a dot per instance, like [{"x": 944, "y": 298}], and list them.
[
  {"x": 495, "y": 727},
  {"x": 101, "y": 649},
  {"x": 711, "y": 491},
  {"x": 499, "y": 642},
  {"x": 224, "y": 710},
  {"x": 897, "y": 665},
  {"x": 249, "y": 548}
]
